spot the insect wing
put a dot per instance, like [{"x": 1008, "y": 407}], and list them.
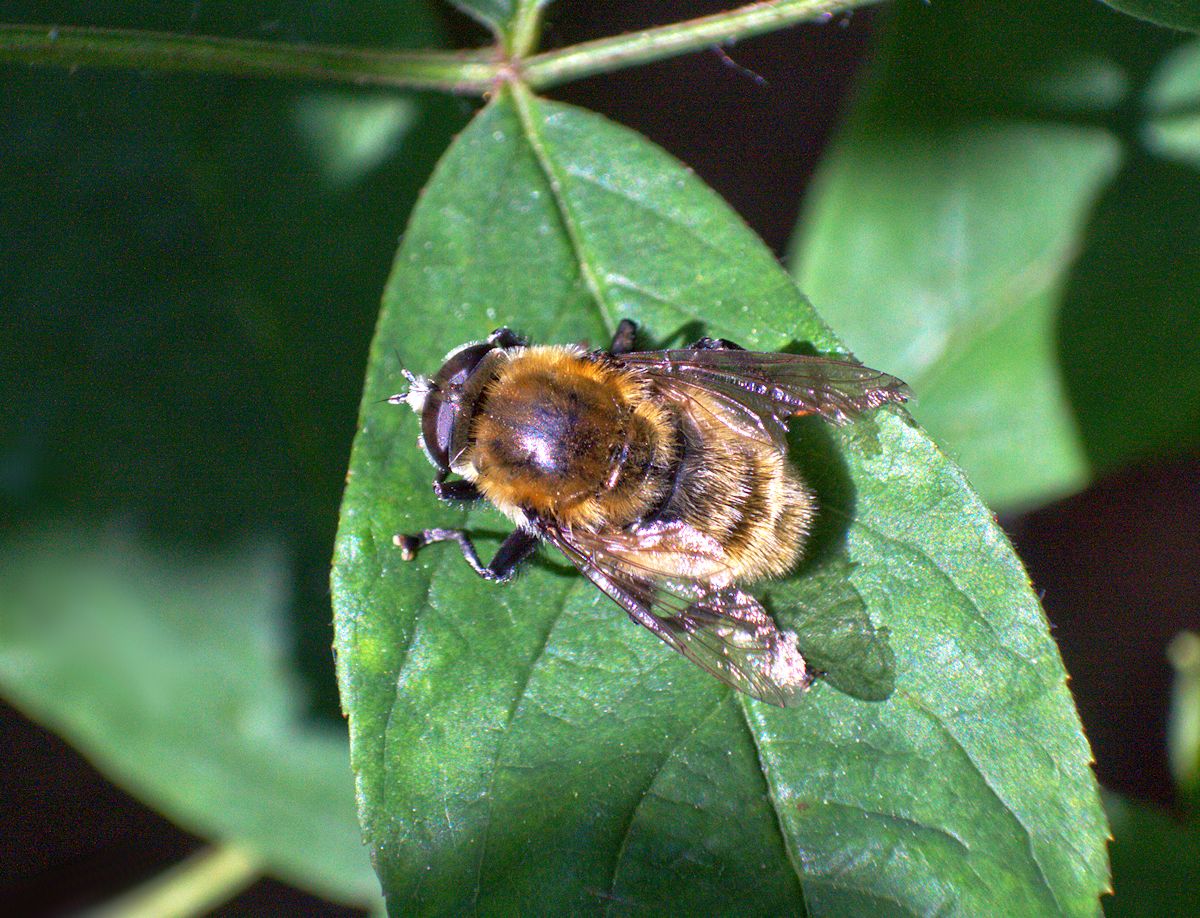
[
  {"x": 726, "y": 631},
  {"x": 695, "y": 399},
  {"x": 776, "y": 385}
]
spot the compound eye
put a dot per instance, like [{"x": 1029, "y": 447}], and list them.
[
  {"x": 460, "y": 365},
  {"x": 437, "y": 422},
  {"x": 441, "y": 410}
]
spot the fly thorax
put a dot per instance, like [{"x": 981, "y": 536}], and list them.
[
  {"x": 565, "y": 437},
  {"x": 548, "y": 440}
]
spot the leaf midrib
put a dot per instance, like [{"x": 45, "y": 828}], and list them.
[
  {"x": 524, "y": 101},
  {"x": 506, "y": 734},
  {"x": 525, "y": 106}
]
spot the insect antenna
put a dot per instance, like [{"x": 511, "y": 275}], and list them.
[{"x": 418, "y": 388}]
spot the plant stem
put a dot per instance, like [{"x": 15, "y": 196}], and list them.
[
  {"x": 194, "y": 887},
  {"x": 554, "y": 67},
  {"x": 468, "y": 72},
  {"x": 527, "y": 29}
]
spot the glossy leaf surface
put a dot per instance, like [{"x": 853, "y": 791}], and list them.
[{"x": 525, "y": 747}]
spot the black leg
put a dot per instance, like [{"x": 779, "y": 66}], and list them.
[
  {"x": 622, "y": 342},
  {"x": 455, "y": 490},
  {"x": 506, "y": 337},
  {"x": 513, "y": 550},
  {"x": 715, "y": 344}
]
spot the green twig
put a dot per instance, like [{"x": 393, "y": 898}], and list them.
[
  {"x": 527, "y": 28},
  {"x": 196, "y": 886},
  {"x": 471, "y": 72},
  {"x": 605, "y": 54},
  {"x": 467, "y": 72}
]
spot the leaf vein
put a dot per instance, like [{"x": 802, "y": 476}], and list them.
[
  {"x": 902, "y": 820},
  {"x": 941, "y": 725},
  {"x": 506, "y": 733},
  {"x": 977, "y": 612},
  {"x": 998, "y": 308},
  {"x": 772, "y": 797},
  {"x": 694, "y": 234},
  {"x": 523, "y": 99},
  {"x": 645, "y": 792}
]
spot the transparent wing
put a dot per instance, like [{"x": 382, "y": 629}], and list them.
[
  {"x": 774, "y": 386},
  {"x": 695, "y": 400},
  {"x": 725, "y": 631}
]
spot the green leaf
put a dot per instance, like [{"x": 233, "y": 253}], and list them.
[
  {"x": 1154, "y": 858},
  {"x": 1178, "y": 14},
  {"x": 834, "y": 630},
  {"x": 152, "y": 373},
  {"x": 1173, "y": 101},
  {"x": 954, "y": 203},
  {"x": 495, "y": 14},
  {"x": 1130, "y": 322},
  {"x": 506, "y": 18},
  {"x": 526, "y": 748},
  {"x": 350, "y": 136},
  {"x": 981, "y": 197},
  {"x": 172, "y": 678},
  {"x": 1183, "y": 727}
]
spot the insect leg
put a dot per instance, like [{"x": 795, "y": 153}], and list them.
[
  {"x": 516, "y": 548},
  {"x": 715, "y": 344},
  {"x": 622, "y": 342},
  {"x": 455, "y": 490},
  {"x": 505, "y": 337}
]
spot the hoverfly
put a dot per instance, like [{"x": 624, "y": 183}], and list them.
[{"x": 662, "y": 475}]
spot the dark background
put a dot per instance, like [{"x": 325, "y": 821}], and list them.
[{"x": 1117, "y": 564}]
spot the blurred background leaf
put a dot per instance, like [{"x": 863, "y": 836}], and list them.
[
  {"x": 173, "y": 677},
  {"x": 1179, "y": 14},
  {"x": 1172, "y": 128},
  {"x": 186, "y": 329},
  {"x": 490, "y": 720},
  {"x": 1154, "y": 857},
  {"x": 1153, "y": 851},
  {"x": 1129, "y": 338},
  {"x": 990, "y": 196},
  {"x": 1183, "y": 736},
  {"x": 190, "y": 274}
]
